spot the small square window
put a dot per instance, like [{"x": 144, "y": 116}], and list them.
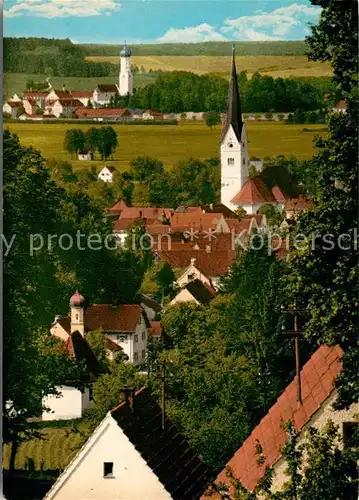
[
  {"x": 230, "y": 161},
  {"x": 108, "y": 469},
  {"x": 143, "y": 354},
  {"x": 136, "y": 338}
]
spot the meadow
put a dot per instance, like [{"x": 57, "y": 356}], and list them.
[
  {"x": 276, "y": 66},
  {"x": 171, "y": 143}
]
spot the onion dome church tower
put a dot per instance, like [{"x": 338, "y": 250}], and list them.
[
  {"x": 233, "y": 149},
  {"x": 125, "y": 76}
]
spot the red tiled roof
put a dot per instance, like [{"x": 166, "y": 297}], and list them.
[
  {"x": 82, "y": 93},
  {"x": 70, "y": 103},
  {"x": 35, "y": 94},
  {"x": 65, "y": 322},
  {"x": 108, "y": 87},
  {"x": 181, "y": 221},
  {"x": 122, "y": 318},
  {"x": 279, "y": 194},
  {"x": 100, "y": 112},
  {"x": 156, "y": 329},
  {"x": 61, "y": 94},
  {"x": 201, "y": 241},
  {"x": 146, "y": 213},
  {"x": 117, "y": 208},
  {"x": 211, "y": 264},
  {"x": 298, "y": 204},
  {"x": 253, "y": 191},
  {"x": 111, "y": 345},
  {"x": 15, "y": 104},
  {"x": 317, "y": 378},
  {"x": 342, "y": 104}
]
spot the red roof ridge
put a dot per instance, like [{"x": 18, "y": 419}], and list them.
[
  {"x": 254, "y": 191},
  {"x": 316, "y": 388}
]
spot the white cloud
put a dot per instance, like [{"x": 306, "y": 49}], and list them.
[
  {"x": 271, "y": 25},
  {"x": 193, "y": 34},
  {"x": 62, "y": 8}
]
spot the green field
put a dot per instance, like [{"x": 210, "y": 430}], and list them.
[
  {"x": 172, "y": 143},
  {"x": 54, "y": 451},
  {"x": 276, "y": 66},
  {"x": 16, "y": 82}
]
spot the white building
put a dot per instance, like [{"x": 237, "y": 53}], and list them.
[
  {"x": 135, "y": 453},
  {"x": 13, "y": 108},
  {"x": 106, "y": 174},
  {"x": 103, "y": 94},
  {"x": 125, "y": 325},
  {"x": 125, "y": 76},
  {"x": 234, "y": 148},
  {"x": 62, "y": 107},
  {"x": 85, "y": 155}
]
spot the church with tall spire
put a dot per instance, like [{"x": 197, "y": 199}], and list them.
[
  {"x": 234, "y": 148},
  {"x": 125, "y": 77}
]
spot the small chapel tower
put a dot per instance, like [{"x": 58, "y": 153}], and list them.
[
  {"x": 234, "y": 152},
  {"x": 77, "y": 307},
  {"x": 125, "y": 77}
]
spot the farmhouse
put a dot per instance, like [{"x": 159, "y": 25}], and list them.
[
  {"x": 30, "y": 105},
  {"x": 106, "y": 174},
  {"x": 13, "y": 108},
  {"x": 63, "y": 107},
  {"x": 314, "y": 409},
  {"x": 85, "y": 154},
  {"x": 126, "y": 325},
  {"x": 84, "y": 96},
  {"x": 152, "y": 114},
  {"x": 135, "y": 453}
]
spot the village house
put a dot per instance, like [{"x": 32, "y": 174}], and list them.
[
  {"x": 255, "y": 194},
  {"x": 85, "y": 155},
  {"x": 84, "y": 96},
  {"x": 194, "y": 291},
  {"x": 314, "y": 409},
  {"x": 135, "y": 453},
  {"x": 62, "y": 107},
  {"x": 150, "y": 306},
  {"x": 54, "y": 95},
  {"x": 30, "y": 106},
  {"x": 13, "y": 108},
  {"x": 106, "y": 174},
  {"x": 71, "y": 402},
  {"x": 38, "y": 97},
  {"x": 152, "y": 114},
  {"x": 104, "y": 114},
  {"x": 103, "y": 93},
  {"x": 293, "y": 207},
  {"x": 340, "y": 106},
  {"x": 126, "y": 325}
]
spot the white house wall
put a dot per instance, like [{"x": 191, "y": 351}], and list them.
[
  {"x": 132, "y": 477},
  {"x": 71, "y": 404}
]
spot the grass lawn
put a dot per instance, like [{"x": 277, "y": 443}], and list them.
[
  {"x": 276, "y": 66},
  {"x": 16, "y": 82},
  {"x": 53, "y": 452},
  {"x": 172, "y": 143}
]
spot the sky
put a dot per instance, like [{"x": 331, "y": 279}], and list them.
[{"x": 156, "y": 21}]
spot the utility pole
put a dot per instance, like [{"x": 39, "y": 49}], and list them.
[
  {"x": 296, "y": 335},
  {"x": 163, "y": 392}
]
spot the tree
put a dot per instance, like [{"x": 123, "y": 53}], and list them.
[
  {"x": 273, "y": 215},
  {"x": 323, "y": 277},
  {"x": 74, "y": 140},
  {"x": 89, "y": 104},
  {"x": 240, "y": 212},
  {"x": 213, "y": 118},
  {"x": 107, "y": 142},
  {"x": 93, "y": 138},
  {"x": 158, "y": 281},
  {"x": 145, "y": 167}
]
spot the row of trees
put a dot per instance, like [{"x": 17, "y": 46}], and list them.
[
  {"x": 102, "y": 139},
  {"x": 180, "y": 91}
]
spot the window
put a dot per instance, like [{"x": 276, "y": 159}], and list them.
[
  {"x": 136, "y": 338},
  {"x": 135, "y": 356},
  {"x": 230, "y": 145},
  {"x": 77, "y": 317},
  {"x": 143, "y": 353},
  {"x": 91, "y": 393},
  {"x": 244, "y": 161},
  {"x": 108, "y": 469},
  {"x": 143, "y": 335},
  {"x": 122, "y": 338},
  {"x": 230, "y": 161}
]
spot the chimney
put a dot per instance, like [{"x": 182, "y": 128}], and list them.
[
  {"x": 193, "y": 261},
  {"x": 128, "y": 395}
]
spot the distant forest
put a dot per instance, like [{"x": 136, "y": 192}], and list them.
[
  {"x": 281, "y": 48},
  {"x": 51, "y": 57}
]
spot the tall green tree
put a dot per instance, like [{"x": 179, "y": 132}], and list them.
[
  {"x": 74, "y": 140},
  {"x": 324, "y": 275}
]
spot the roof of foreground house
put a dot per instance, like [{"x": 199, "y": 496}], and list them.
[
  {"x": 78, "y": 348},
  {"x": 317, "y": 383},
  {"x": 167, "y": 453}
]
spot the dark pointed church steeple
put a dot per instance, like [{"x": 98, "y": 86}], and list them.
[{"x": 234, "y": 112}]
